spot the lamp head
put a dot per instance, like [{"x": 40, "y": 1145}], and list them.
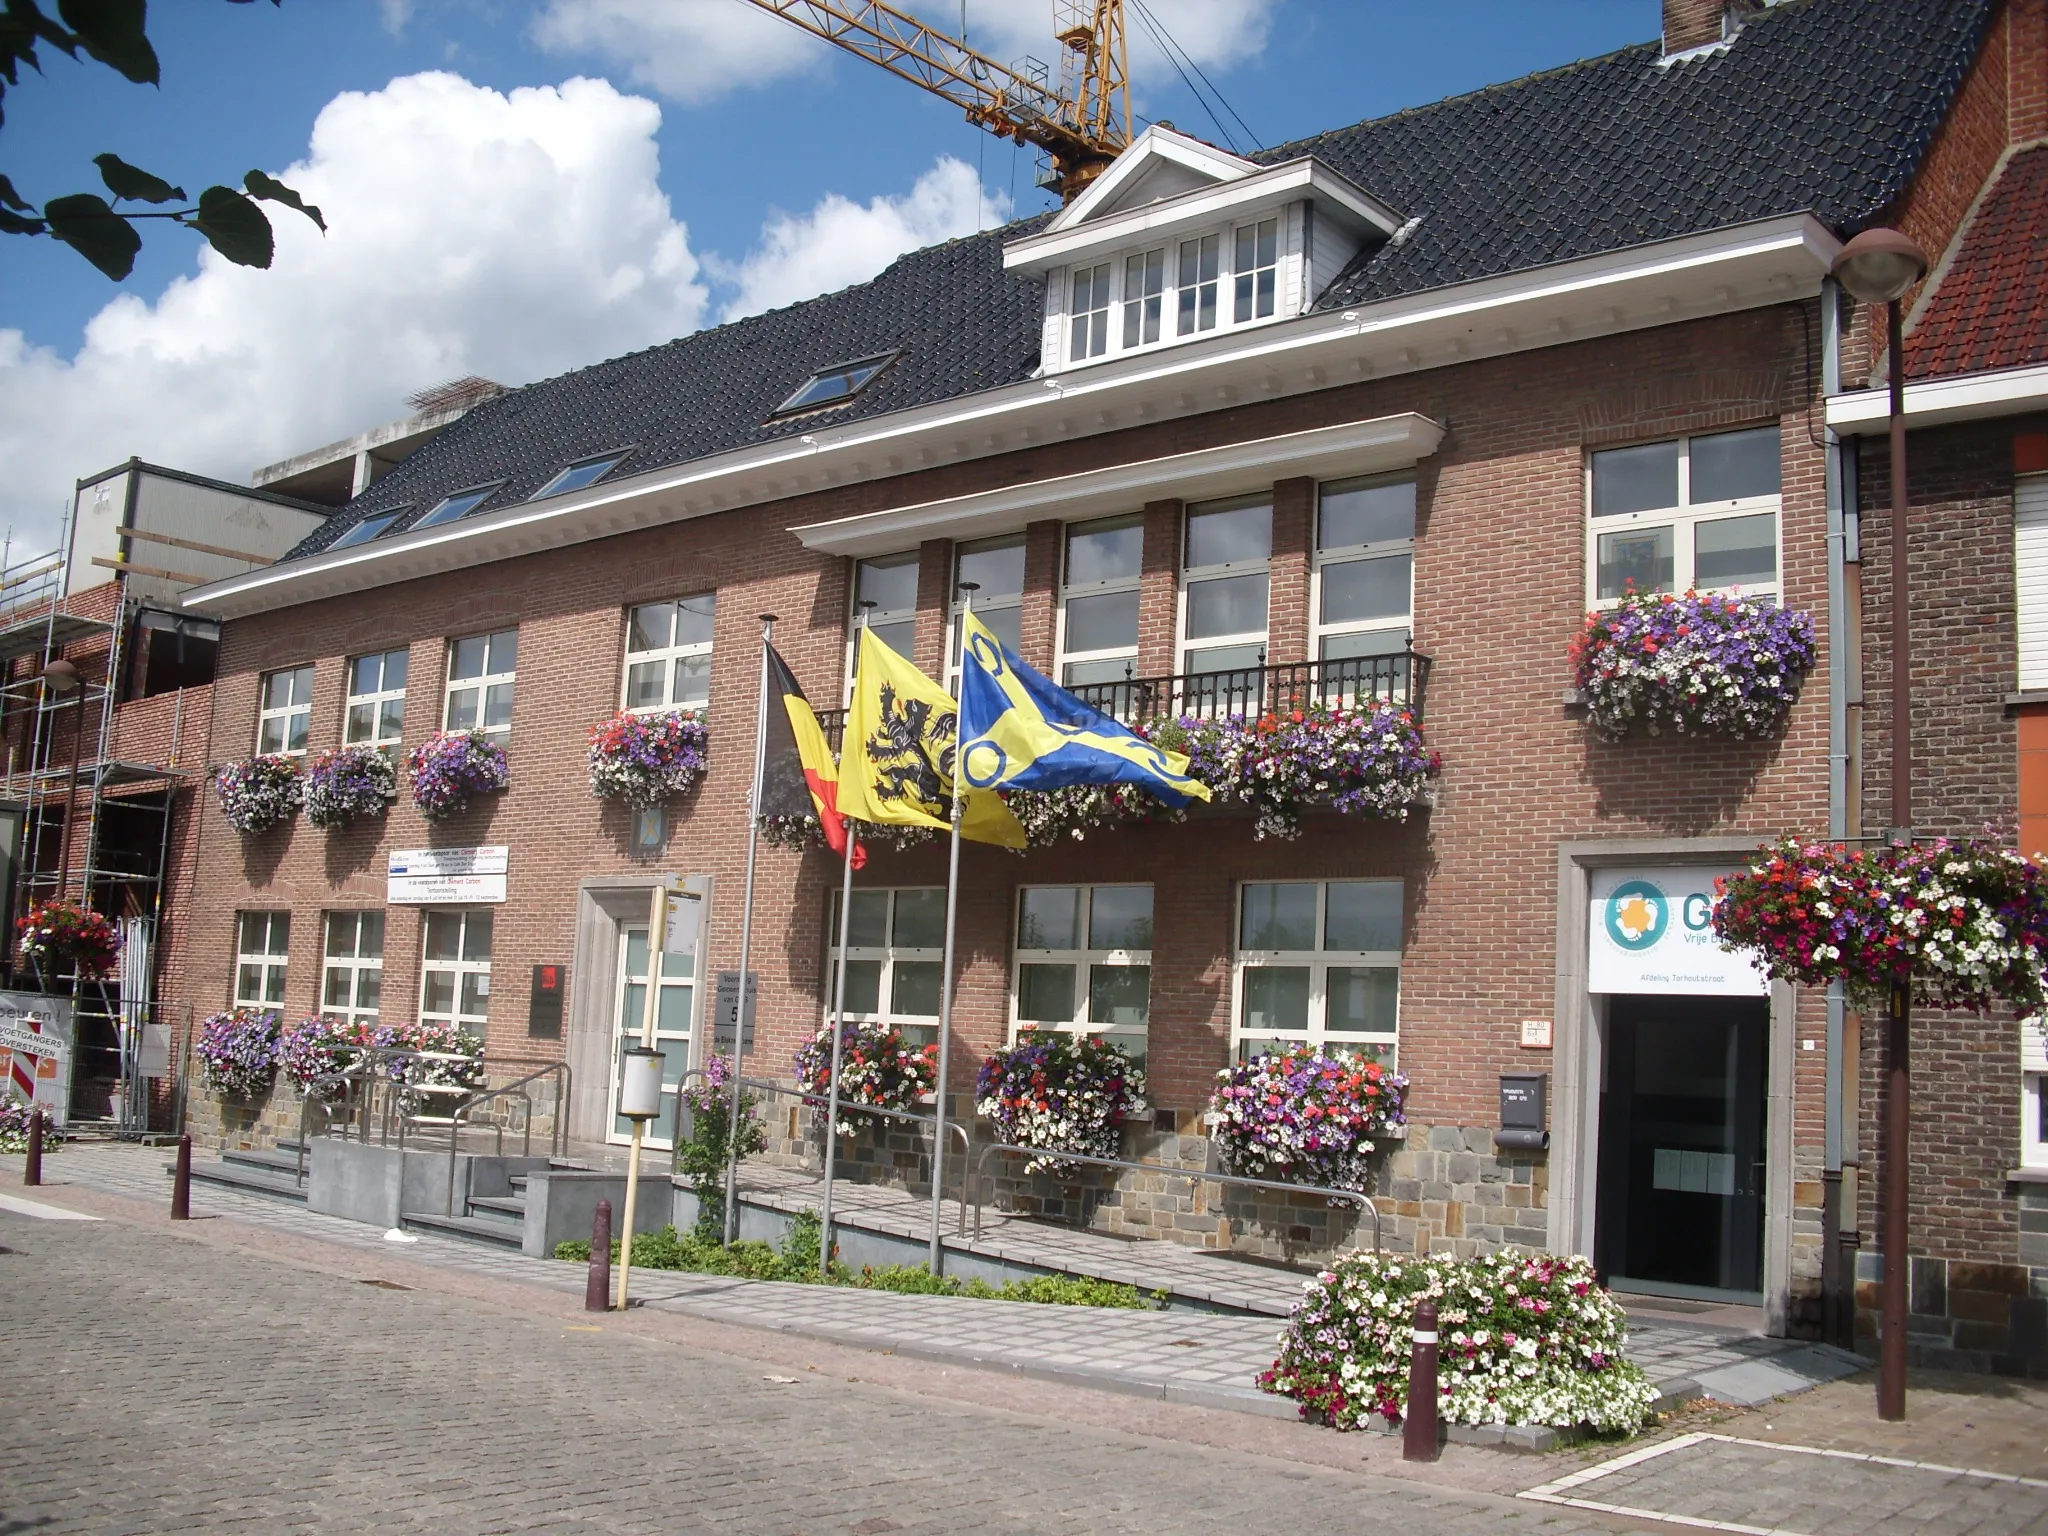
[{"x": 1879, "y": 265}]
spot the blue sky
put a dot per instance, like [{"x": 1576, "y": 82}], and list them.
[{"x": 786, "y": 170}]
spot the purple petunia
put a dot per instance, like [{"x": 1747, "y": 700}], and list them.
[
  {"x": 1702, "y": 665},
  {"x": 453, "y": 768}
]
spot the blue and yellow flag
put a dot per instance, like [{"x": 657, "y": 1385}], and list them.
[{"x": 1021, "y": 730}]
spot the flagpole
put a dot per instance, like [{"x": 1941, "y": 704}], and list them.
[
  {"x": 937, "y": 1261},
  {"x": 839, "y": 1008},
  {"x": 739, "y": 1027}
]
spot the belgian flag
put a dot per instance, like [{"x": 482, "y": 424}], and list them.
[{"x": 798, "y": 776}]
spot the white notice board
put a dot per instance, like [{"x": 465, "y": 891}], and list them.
[{"x": 435, "y": 877}]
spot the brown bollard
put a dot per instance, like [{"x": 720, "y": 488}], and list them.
[
  {"x": 181, "y": 1181},
  {"x": 597, "y": 1290},
  {"x": 1419, "y": 1426},
  {"x": 32, "y": 1165}
]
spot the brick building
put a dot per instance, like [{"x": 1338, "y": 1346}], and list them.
[{"x": 1408, "y": 397}]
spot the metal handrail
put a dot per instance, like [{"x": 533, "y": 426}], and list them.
[
  {"x": 1195, "y": 1175},
  {"x": 1399, "y": 677},
  {"x": 558, "y": 1138},
  {"x": 367, "y": 1070}
]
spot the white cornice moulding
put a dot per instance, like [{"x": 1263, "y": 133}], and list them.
[
  {"x": 1146, "y": 150},
  {"x": 1352, "y": 448},
  {"x": 1930, "y": 402},
  {"x": 1721, "y": 272}
]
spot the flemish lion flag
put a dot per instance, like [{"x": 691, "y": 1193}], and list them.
[
  {"x": 798, "y": 776},
  {"x": 898, "y": 760}
]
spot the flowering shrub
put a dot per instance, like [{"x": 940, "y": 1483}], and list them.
[
  {"x": 881, "y": 1068},
  {"x": 647, "y": 759},
  {"x": 1061, "y": 1094},
  {"x": 58, "y": 933},
  {"x": 1727, "y": 666},
  {"x": 238, "y": 1052},
  {"x": 1524, "y": 1339},
  {"x": 452, "y": 768},
  {"x": 260, "y": 793},
  {"x": 319, "y": 1046},
  {"x": 1304, "y": 1115},
  {"x": 1965, "y": 924},
  {"x": 701, "y": 1156},
  {"x": 348, "y": 783},
  {"x": 14, "y": 1128}
]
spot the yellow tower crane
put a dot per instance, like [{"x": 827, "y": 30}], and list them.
[{"x": 1083, "y": 125}]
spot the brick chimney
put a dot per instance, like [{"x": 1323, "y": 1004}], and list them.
[{"x": 1696, "y": 23}]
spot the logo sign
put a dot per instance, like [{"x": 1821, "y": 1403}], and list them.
[
  {"x": 419, "y": 877},
  {"x": 1651, "y": 930}
]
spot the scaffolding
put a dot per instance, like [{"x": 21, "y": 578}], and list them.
[{"x": 64, "y": 782}]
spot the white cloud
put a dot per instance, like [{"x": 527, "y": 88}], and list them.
[
  {"x": 469, "y": 232},
  {"x": 840, "y": 242}
]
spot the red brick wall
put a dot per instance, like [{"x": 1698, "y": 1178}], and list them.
[
  {"x": 2027, "y": 71},
  {"x": 1288, "y": 619},
  {"x": 1691, "y": 24}
]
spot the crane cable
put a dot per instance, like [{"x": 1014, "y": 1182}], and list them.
[{"x": 1174, "y": 54}]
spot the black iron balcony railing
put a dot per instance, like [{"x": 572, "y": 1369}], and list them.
[{"x": 1351, "y": 682}]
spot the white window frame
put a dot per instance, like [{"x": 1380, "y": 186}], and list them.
[
  {"x": 374, "y": 700},
  {"x": 1088, "y": 329},
  {"x": 1084, "y": 960},
  {"x": 481, "y": 684},
  {"x": 1318, "y": 962},
  {"x": 2030, "y": 578},
  {"x": 1143, "y": 303},
  {"x": 458, "y": 968},
  {"x": 272, "y": 931},
  {"x": 669, "y": 657},
  {"x": 2033, "y": 1091},
  {"x": 1250, "y": 299},
  {"x": 920, "y": 1028},
  {"x": 298, "y": 706},
  {"x": 1684, "y": 521},
  {"x": 352, "y": 965},
  {"x": 1401, "y": 627},
  {"x": 1189, "y": 279},
  {"x": 984, "y": 602},
  {"x": 1069, "y": 589},
  {"x": 1141, "y": 318},
  {"x": 1194, "y": 575},
  {"x": 678, "y": 1045},
  {"x": 879, "y": 617}
]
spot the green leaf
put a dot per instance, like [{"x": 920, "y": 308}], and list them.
[
  {"x": 15, "y": 224},
  {"x": 234, "y": 226},
  {"x": 112, "y": 31},
  {"x": 124, "y": 180},
  {"x": 84, "y": 222},
  {"x": 9, "y": 198},
  {"x": 273, "y": 190}
]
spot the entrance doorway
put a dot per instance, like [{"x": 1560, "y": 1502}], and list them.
[
  {"x": 1680, "y": 1207},
  {"x": 673, "y": 1012}
]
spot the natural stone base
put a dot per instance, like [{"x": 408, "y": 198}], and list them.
[{"x": 1965, "y": 1316}]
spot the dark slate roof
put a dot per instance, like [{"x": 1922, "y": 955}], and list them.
[
  {"x": 1990, "y": 309},
  {"x": 1820, "y": 106}
]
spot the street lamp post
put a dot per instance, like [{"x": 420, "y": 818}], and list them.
[{"x": 1878, "y": 267}]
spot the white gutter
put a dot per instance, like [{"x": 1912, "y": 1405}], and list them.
[
  {"x": 1768, "y": 262},
  {"x": 1351, "y": 448},
  {"x": 1931, "y": 402}
]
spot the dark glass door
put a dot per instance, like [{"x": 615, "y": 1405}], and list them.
[{"x": 1680, "y": 1208}]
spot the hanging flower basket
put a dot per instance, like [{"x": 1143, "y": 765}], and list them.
[
  {"x": 1051, "y": 816},
  {"x": 452, "y": 768},
  {"x": 350, "y": 784},
  {"x": 646, "y": 760},
  {"x": 260, "y": 792},
  {"x": 56, "y": 934},
  {"x": 1057, "y": 1093},
  {"x": 800, "y": 833},
  {"x": 238, "y": 1055},
  {"x": 1305, "y": 1116},
  {"x": 1702, "y": 666},
  {"x": 1965, "y": 924},
  {"x": 1522, "y": 1340},
  {"x": 881, "y": 1069}
]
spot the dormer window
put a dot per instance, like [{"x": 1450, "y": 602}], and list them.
[
  {"x": 1197, "y": 284},
  {"x": 834, "y": 385},
  {"x": 1144, "y": 297},
  {"x": 1255, "y": 267},
  {"x": 1091, "y": 313}
]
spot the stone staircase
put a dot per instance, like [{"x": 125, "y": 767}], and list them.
[
  {"x": 267, "y": 1171},
  {"x": 499, "y": 1220}
]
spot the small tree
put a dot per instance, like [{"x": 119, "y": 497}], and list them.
[{"x": 702, "y": 1156}]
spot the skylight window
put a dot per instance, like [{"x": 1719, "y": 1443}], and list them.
[
  {"x": 367, "y": 529},
  {"x": 461, "y": 504},
  {"x": 830, "y": 386},
  {"x": 577, "y": 476}
]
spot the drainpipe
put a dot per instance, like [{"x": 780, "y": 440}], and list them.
[{"x": 1837, "y": 1277}]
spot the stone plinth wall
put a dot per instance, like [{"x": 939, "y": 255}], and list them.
[{"x": 1970, "y": 1316}]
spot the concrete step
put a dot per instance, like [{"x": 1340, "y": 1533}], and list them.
[
  {"x": 475, "y": 1229},
  {"x": 249, "y": 1180},
  {"x": 502, "y": 1208},
  {"x": 264, "y": 1159}
]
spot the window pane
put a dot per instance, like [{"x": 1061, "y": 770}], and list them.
[
  {"x": 270, "y": 738},
  {"x": 1365, "y": 514},
  {"x": 476, "y": 936},
  {"x": 1276, "y": 997},
  {"x": 1228, "y": 534},
  {"x": 249, "y": 984},
  {"x": 693, "y": 680},
  {"x": 672, "y": 1013},
  {"x": 1368, "y": 642},
  {"x": 1368, "y": 589},
  {"x": 254, "y": 931},
  {"x": 277, "y": 690},
  {"x": 1105, "y": 622},
  {"x": 338, "y": 994},
  {"x": 395, "y": 667},
  {"x": 1119, "y": 994},
  {"x": 1363, "y": 999},
  {"x": 1732, "y": 464},
  {"x": 999, "y": 569},
  {"x": 867, "y": 922},
  {"x": 920, "y": 919},
  {"x": 341, "y": 933},
  {"x": 497, "y": 705},
  {"x": 1732, "y": 551},
  {"x": 467, "y": 658},
  {"x": 362, "y": 722},
  {"x": 1120, "y": 917},
  {"x": 1363, "y": 915},
  {"x": 363, "y": 674},
  {"x": 1230, "y": 658},
  {"x": 636, "y": 953},
  {"x": 900, "y": 638},
  {"x": 1045, "y": 994},
  {"x": 1104, "y": 553},
  {"x": 891, "y": 585},
  {"x": 295, "y": 731},
  {"x": 695, "y": 618},
  {"x": 1079, "y": 674},
  {"x": 650, "y": 627},
  {"x": 863, "y": 986},
  {"x": 1230, "y": 605},
  {"x": 1635, "y": 479},
  {"x": 444, "y": 935},
  {"x": 504, "y": 655},
  {"x": 370, "y": 936},
  {"x": 391, "y": 717},
  {"x": 1048, "y": 917},
  {"x": 646, "y": 684},
  {"x": 1006, "y": 624},
  {"x": 1279, "y": 917},
  {"x": 1641, "y": 558},
  {"x": 914, "y": 988},
  {"x": 370, "y": 988},
  {"x": 438, "y": 994},
  {"x": 476, "y": 992}
]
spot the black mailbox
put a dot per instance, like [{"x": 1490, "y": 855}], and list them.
[
  {"x": 544, "y": 1011},
  {"x": 1523, "y": 1111}
]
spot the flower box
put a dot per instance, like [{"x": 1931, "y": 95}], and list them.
[
  {"x": 260, "y": 792},
  {"x": 58, "y": 933},
  {"x": 1699, "y": 665},
  {"x": 648, "y": 759},
  {"x": 880, "y": 1068},
  {"x": 1057, "y": 1093},
  {"x": 452, "y": 768},
  {"x": 1305, "y": 1115},
  {"x": 349, "y": 784},
  {"x": 237, "y": 1051}
]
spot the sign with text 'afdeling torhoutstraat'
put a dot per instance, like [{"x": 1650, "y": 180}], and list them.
[
  {"x": 1652, "y": 931},
  {"x": 435, "y": 877}
]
